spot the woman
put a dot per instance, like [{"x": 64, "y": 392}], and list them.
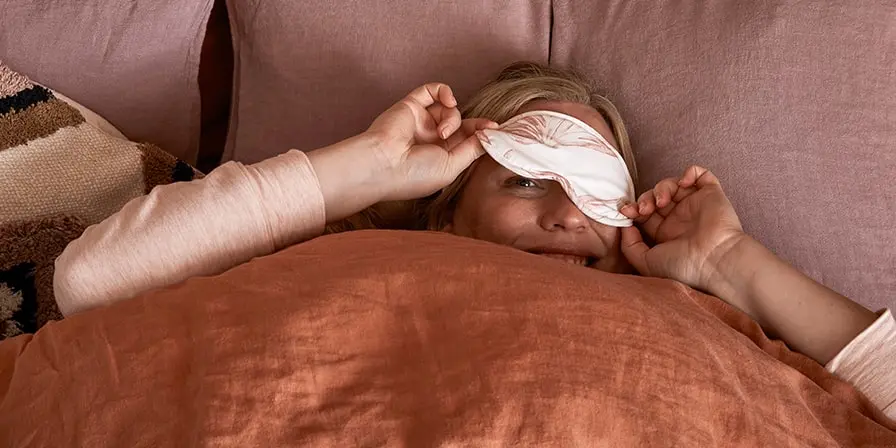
[{"x": 422, "y": 146}]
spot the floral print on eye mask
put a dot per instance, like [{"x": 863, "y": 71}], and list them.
[{"x": 558, "y": 147}]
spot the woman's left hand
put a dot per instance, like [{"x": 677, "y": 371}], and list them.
[
  {"x": 700, "y": 242},
  {"x": 692, "y": 226}
]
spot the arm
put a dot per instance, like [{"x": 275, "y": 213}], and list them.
[
  {"x": 239, "y": 212},
  {"x": 193, "y": 228},
  {"x": 869, "y": 363},
  {"x": 809, "y": 317},
  {"x": 204, "y": 227},
  {"x": 851, "y": 341},
  {"x": 700, "y": 242}
]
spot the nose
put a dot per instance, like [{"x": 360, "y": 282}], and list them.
[{"x": 560, "y": 214}]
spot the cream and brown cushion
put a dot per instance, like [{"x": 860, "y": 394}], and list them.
[{"x": 62, "y": 168}]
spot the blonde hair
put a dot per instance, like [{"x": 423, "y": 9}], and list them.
[{"x": 499, "y": 100}]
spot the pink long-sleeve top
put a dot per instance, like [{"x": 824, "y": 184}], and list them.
[{"x": 239, "y": 212}]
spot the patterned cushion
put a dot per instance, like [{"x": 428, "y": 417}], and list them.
[{"x": 62, "y": 168}]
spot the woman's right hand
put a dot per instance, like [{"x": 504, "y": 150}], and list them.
[
  {"x": 424, "y": 144},
  {"x": 415, "y": 148}
]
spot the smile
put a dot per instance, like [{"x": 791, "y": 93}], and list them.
[{"x": 569, "y": 258}]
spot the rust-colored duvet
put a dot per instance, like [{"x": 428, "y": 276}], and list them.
[{"x": 420, "y": 339}]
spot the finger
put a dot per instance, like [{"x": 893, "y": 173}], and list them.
[
  {"x": 469, "y": 127},
  {"x": 635, "y": 249},
  {"x": 420, "y": 100},
  {"x": 697, "y": 176},
  {"x": 683, "y": 193},
  {"x": 667, "y": 210},
  {"x": 629, "y": 210},
  {"x": 447, "y": 119},
  {"x": 429, "y": 94},
  {"x": 680, "y": 195},
  {"x": 664, "y": 191},
  {"x": 646, "y": 204},
  {"x": 464, "y": 154},
  {"x": 446, "y": 95},
  {"x": 650, "y": 224}
]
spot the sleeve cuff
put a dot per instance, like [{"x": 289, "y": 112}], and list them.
[
  {"x": 292, "y": 195},
  {"x": 868, "y": 362}
]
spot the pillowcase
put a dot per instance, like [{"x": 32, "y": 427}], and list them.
[
  {"x": 62, "y": 168},
  {"x": 133, "y": 62},
  {"x": 790, "y": 103},
  {"x": 313, "y": 72},
  {"x": 421, "y": 339}
]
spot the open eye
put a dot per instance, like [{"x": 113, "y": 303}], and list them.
[{"x": 523, "y": 182}]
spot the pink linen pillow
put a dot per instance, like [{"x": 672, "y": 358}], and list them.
[
  {"x": 313, "y": 72},
  {"x": 792, "y": 104},
  {"x": 133, "y": 62}
]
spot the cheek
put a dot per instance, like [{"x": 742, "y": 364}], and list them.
[
  {"x": 611, "y": 237},
  {"x": 499, "y": 219},
  {"x": 614, "y": 261}
]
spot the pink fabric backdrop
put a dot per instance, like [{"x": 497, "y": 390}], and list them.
[
  {"x": 791, "y": 103},
  {"x": 314, "y": 72}
]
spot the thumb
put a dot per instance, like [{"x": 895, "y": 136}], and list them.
[
  {"x": 469, "y": 127},
  {"x": 635, "y": 249},
  {"x": 464, "y": 154}
]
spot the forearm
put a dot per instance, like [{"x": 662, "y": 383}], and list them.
[
  {"x": 809, "y": 317},
  {"x": 348, "y": 179},
  {"x": 188, "y": 229}
]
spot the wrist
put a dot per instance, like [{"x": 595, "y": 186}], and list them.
[
  {"x": 350, "y": 174},
  {"x": 734, "y": 267}
]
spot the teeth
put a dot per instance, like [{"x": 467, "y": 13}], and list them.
[{"x": 572, "y": 259}]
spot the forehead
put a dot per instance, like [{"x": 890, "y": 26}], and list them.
[{"x": 581, "y": 111}]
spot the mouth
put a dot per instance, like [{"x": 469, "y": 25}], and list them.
[{"x": 579, "y": 260}]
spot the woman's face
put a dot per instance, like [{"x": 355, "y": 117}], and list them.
[{"x": 536, "y": 215}]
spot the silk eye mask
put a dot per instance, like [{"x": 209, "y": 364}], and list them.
[{"x": 558, "y": 147}]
